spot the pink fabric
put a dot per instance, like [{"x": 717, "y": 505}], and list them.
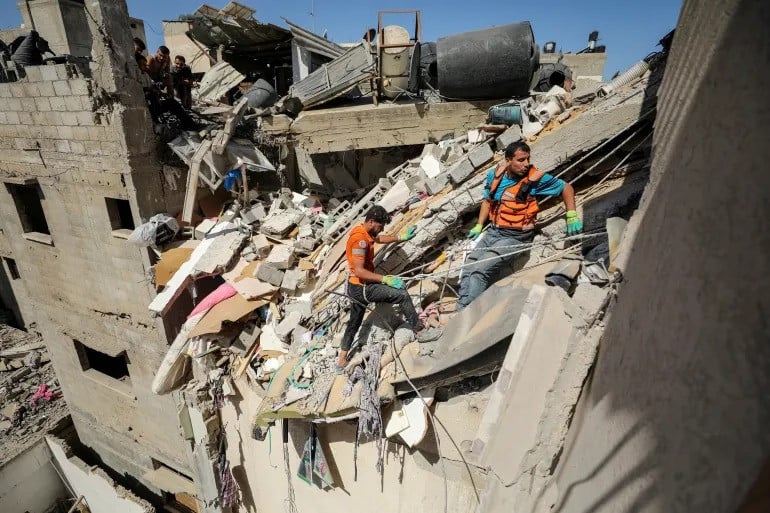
[
  {"x": 221, "y": 293},
  {"x": 42, "y": 392}
]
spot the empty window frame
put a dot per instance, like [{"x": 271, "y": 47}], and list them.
[
  {"x": 29, "y": 206},
  {"x": 115, "y": 367},
  {"x": 119, "y": 211},
  {"x": 13, "y": 269}
]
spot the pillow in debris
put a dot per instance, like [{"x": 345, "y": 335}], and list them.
[{"x": 159, "y": 230}]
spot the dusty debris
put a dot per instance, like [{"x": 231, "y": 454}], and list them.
[{"x": 31, "y": 402}]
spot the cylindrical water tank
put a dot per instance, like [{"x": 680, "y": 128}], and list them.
[
  {"x": 394, "y": 62},
  {"x": 497, "y": 62}
]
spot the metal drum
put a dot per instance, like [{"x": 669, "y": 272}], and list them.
[{"x": 497, "y": 62}]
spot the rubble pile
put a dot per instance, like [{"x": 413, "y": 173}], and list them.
[
  {"x": 274, "y": 263},
  {"x": 31, "y": 401}
]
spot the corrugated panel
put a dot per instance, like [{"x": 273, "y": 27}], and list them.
[
  {"x": 243, "y": 34},
  {"x": 218, "y": 80},
  {"x": 238, "y": 10},
  {"x": 336, "y": 77},
  {"x": 314, "y": 42}
]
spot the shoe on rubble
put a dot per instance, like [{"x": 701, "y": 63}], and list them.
[{"x": 429, "y": 334}]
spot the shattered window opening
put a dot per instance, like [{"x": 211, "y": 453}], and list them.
[
  {"x": 13, "y": 269},
  {"x": 115, "y": 367},
  {"x": 27, "y": 199},
  {"x": 120, "y": 214}
]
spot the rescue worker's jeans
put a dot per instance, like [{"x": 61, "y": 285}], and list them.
[
  {"x": 375, "y": 293},
  {"x": 478, "y": 276}
]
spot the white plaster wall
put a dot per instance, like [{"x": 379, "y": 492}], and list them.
[
  {"x": 101, "y": 494},
  {"x": 29, "y": 483},
  {"x": 413, "y": 480}
]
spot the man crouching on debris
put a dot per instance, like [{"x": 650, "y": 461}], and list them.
[
  {"x": 510, "y": 204},
  {"x": 366, "y": 286}
]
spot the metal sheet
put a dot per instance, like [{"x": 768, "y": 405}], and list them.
[
  {"x": 336, "y": 77},
  {"x": 314, "y": 42},
  {"x": 218, "y": 80}
]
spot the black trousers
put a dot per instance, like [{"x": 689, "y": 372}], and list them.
[{"x": 375, "y": 293}]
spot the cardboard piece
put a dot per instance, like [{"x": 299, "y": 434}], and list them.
[
  {"x": 231, "y": 309},
  {"x": 169, "y": 264}
]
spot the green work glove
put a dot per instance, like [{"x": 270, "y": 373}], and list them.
[
  {"x": 475, "y": 231},
  {"x": 393, "y": 281},
  {"x": 574, "y": 224},
  {"x": 407, "y": 234}
]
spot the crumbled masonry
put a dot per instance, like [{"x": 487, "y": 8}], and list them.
[{"x": 237, "y": 220}]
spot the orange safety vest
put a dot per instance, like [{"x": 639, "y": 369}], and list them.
[{"x": 513, "y": 210}]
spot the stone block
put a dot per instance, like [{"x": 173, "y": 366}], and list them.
[
  {"x": 62, "y": 72},
  {"x": 270, "y": 274},
  {"x": 57, "y": 104},
  {"x": 280, "y": 223},
  {"x": 254, "y": 214},
  {"x": 287, "y": 325},
  {"x": 71, "y": 119},
  {"x": 85, "y": 118},
  {"x": 480, "y": 155},
  {"x": 61, "y": 88},
  {"x": 431, "y": 166},
  {"x": 46, "y": 89},
  {"x": 281, "y": 256},
  {"x": 304, "y": 307},
  {"x": 511, "y": 135},
  {"x": 42, "y": 104},
  {"x": 396, "y": 196},
  {"x": 294, "y": 279},
  {"x": 73, "y": 103},
  {"x": 436, "y": 185},
  {"x": 261, "y": 245},
  {"x": 461, "y": 171},
  {"x": 48, "y": 73},
  {"x": 203, "y": 228},
  {"x": 80, "y": 86},
  {"x": 34, "y": 74}
]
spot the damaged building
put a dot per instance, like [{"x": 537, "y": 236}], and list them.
[{"x": 190, "y": 285}]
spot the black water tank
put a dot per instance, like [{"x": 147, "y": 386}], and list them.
[{"x": 497, "y": 62}]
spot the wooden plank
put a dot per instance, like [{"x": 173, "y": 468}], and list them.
[{"x": 192, "y": 180}]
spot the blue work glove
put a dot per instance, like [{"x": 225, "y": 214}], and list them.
[
  {"x": 407, "y": 234},
  {"x": 574, "y": 224},
  {"x": 475, "y": 231},
  {"x": 393, "y": 281}
]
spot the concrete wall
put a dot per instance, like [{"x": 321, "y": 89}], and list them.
[
  {"x": 179, "y": 44},
  {"x": 677, "y": 415},
  {"x": 587, "y": 68},
  {"x": 412, "y": 481},
  {"x": 83, "y": 136},
  {"x": 61, "y": 22},
  {"x": 29, "y": 483},
  {"x": 101, "y": 494}
]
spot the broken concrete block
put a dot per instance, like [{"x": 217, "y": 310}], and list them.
[
  {"x": 306, "y": 230},
  {"x": 254, "y": 214},
  {"x": 480, "y": 155},
  {"x": 476, "y": 136},
  {"x": 437, "y": 184},
  {"x": 294, "y": 279},
  {"x": 461, "y": 171},
  {"x": 396, "y": 197},
  {"x": 511, "y": 135},
  {"x": 261, "y": 245},
  {"x": 270, "y": 274},
  {"x": 287, "y": 325},
  {"x": 304, "y": 307},
  {"x": 454, "y": 153},
  {"x": 203, "y": 228},
  {"x": 279, "y": 224},
  {"x": 305, "y": 245},
  {"x": 281, "y": 256},
  {"x": 431, "y": 166},
  {"x": 427, "y": 150}
]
